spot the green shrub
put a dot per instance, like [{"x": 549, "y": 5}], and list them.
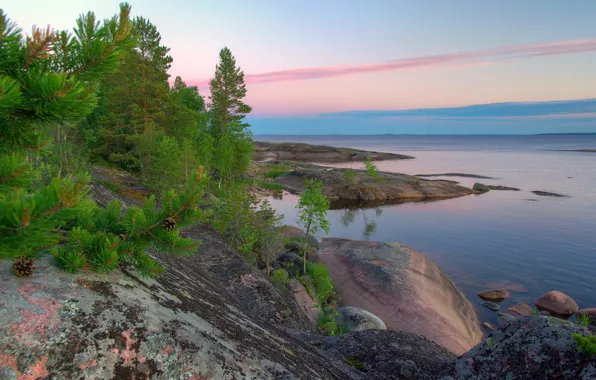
[
  {"x": 309, "y": 285},
  {"x": 280, "y": 277},
  {"x": 276, "y": 173},
  {"x": 585, "y": 344},
  {"x": 350, "y": 175},
  {"x": 371, "y": 168},
  {"x": 583, "y": 319},
  {"x": 329, "y": 324},
  {"x": 324, "y": 289},
  {"x": 271, "y": 186}
]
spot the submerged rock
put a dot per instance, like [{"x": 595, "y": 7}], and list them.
[
  {"x": 481, "y": 187},
  {"x": 521, "y": 309},
  {"x": 406, "y": 290},
  {"x": 357, "y": 319},
  {"x": 534, "y": 347},
  {"x": 489, "y": 326},
  {"x": 548, "y": 194},
  {"x": 505, "y": 318},
  {"x": 496, "y": 295},
  {"x": 557, "y": 303},
  {"x": 491, "y": 305},
  {"x": 503, "y": 188}
]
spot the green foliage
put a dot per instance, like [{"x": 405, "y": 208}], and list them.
[
  {"x": 271, "y": 186},
  {"x": 328, "y": 323},
  {"x": 232, "y": 139},
  {"x": 250, "y": 230},
  {"x": 106, "y": 237},
  {"x": 350, "y": 176},
  {"x": 585, "y": 344},
  {"x": 280, "y": 277},
  {"x": 47, "y": 80},
  {"x": 312, "y": 209},
  {"x": 276, "y": 173},
  {"x": 371, "y": 168},
  {"x": 584, "y": 319},
  {"x": 323, "y": 286}
]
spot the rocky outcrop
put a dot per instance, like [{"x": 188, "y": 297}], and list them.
[
  {"x": 557, "y": 303},
  {"x": 403, "y": 288},
  {"x": 380, "y": 355},
  {"x": 521, "y": 309},
  {"x": 296, "y": 235},
  {"x": 503, "y": 188},
  {"x": 534, "y": 347},
  {"x": 386, "y": 187},
  {"x": 548, "y": 194},
  {"x": 357, "y": 319},
  {"x": 265, "y": 151},
  {"x": 495, "y": 295},
  {"x": 481, "y": 187},
  {"x": 463, "y": 175}
]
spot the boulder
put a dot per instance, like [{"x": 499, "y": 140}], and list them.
[
  {"x": 357, "y": 319},
  {"x": 384, "y": 355},
  {"x": 557, "y": 303},
  {"x": 505, "y": 318},
  {"x": 293, "y": 263},
  {"x": 481, "y": 187},
  {"x": 303, "y": 300},
  {"x": 521, "y": 309},
  {"x": 403, "y": 288},
  {"x": 491, "y": 305},
  {"x": 495, "y": 295},
  {"x": 591, "y": 312},
  {"x": 533, "y": 347}
]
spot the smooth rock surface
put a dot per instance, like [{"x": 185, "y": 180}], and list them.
[
  {"x": 481, "y": 187},
  {"x": 357, "y": 319},
  {"x": 391, "y": 186},
  {"x": 491, "y": 305},
  {"x": 489, "y": 326},
  {"x": 495, "y": 295},
  {"x": 521, "y": 309},
  {"x": 534, "y": 347},
  {"x": 307, "y": 305},
  {"x": 403, "y": 288},
  {"x": 557, "y": 303}
]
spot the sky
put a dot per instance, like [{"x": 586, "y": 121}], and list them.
[{"x": 329, "y": 67}]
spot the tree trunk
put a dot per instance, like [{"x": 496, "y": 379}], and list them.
[{"x": 305, "y": 248}]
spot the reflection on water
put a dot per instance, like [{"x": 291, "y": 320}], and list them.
[{"x": 529, "y": 243}]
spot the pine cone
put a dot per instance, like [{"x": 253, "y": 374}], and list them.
[
  {"x": 23, "y": 267},
  {"x": 169, "y": 224}
]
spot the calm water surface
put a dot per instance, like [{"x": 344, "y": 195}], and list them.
[{"x": 532, "y": 243}]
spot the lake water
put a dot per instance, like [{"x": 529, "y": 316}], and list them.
[{"x": 531, "y": 243}]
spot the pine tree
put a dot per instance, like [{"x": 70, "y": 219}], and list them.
[
  {"x": 134, "y": 99},
  {"x": 46, "y": 79},
  {"x": 232, "y": 139}
]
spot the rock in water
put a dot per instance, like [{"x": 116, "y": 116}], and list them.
[
  {"x": 489, "y": 326},
  {"x": 548, "y": 194},
  {"x": 557, "y": 303},
  {"x": 521, "y": 309},
  {"x": 357, "y": 319},
  {"x": 403, "y": 288},
  {"x": 503, "y": 188},
  {"x": 505, "y": 318},
  {"x": 534, "y": 347},
  {"x": 491, "y": 305},
  {"x": 495, "y": 295},
  {"x": 481, "y": 187}
]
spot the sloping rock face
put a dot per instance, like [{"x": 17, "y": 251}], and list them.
[
  {"x": 391, "y": 187},
  {"x": 400, "y": 286},
  {"x": 265, "y": 151},
  {"x": 382, "y": 354},
  {"x": 535, "y": 347}
]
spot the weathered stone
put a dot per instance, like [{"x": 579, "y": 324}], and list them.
[
  {"x": 406, "y": 290},
  {"x": 521, "y": 309},
  {"x": 495, "y": 295},
  {"x": 481, "y": 187},
  {"x": 491, "y": 305},
  {"x": 489, "y": 326},
  {"x": 304, "y": 300},
  {"x": 534, "y": 347},
  {"x": 557, "y": 303},
  {"x": 357, "y": 319},
  {"x": 384, "y": 355},
  {"x": 505, "y": 318},
  {"x": 548, "y": 194},
  {"x": 503, "y": 188}
]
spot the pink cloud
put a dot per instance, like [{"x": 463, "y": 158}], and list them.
[{"x": 463, "y": 58}]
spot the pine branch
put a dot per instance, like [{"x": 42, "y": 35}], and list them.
[{"x": 39, "y": 45}]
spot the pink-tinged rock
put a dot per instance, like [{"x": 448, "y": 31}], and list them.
[
  {"x": 521, "y": 309},
  {"x": 557, "y": 303},
  {"x": 489, "y": 326},
  {"x": 496, "y": 295},
  {"x": 591, "y": 312}
]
